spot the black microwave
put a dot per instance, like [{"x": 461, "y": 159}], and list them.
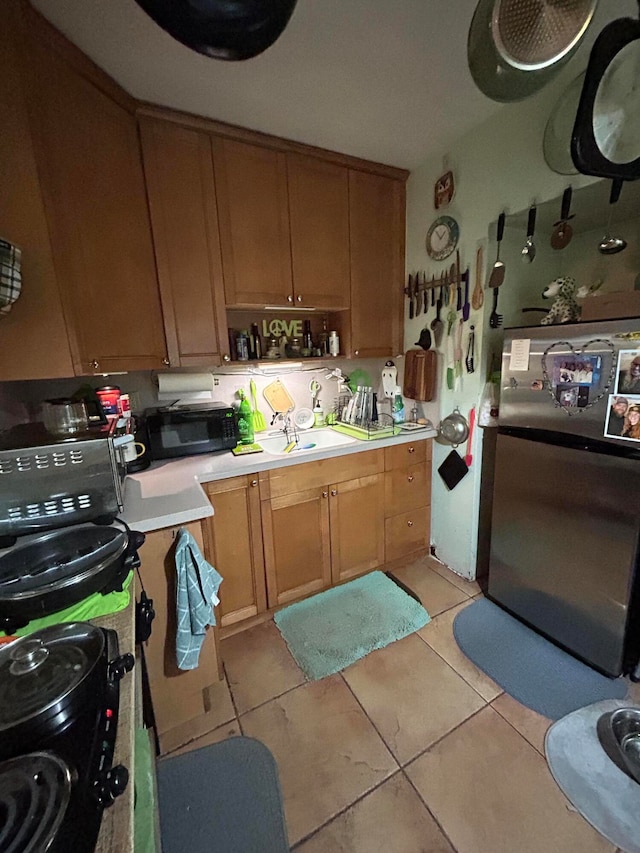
[{"x": 188, "y": 430}]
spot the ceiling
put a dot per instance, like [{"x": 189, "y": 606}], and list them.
[
  {"x": 370, "y": 78},
  {"x": 386, "y": 80}
]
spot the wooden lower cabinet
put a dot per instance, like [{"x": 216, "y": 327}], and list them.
[
  {"x": 295, "y": 530},
  {"x": 177, "y": 695},
  {"x": 357, "y": 527},
  {"x": 406, "y": 533},
  {"x": 233, "y": 544}
]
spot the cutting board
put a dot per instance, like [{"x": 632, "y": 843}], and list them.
[
  {"x": 278, "y": 397},
  {"x": 420, "y": 370}
]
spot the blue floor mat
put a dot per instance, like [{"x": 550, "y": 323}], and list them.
[
  {"x": 531, "y": 669},
  {"x": 223, "y": 798}
]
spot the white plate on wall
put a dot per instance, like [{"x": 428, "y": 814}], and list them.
[{"x": 303, "y": 418}]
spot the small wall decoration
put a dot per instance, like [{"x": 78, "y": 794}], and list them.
[
  {"x": 443, "y": 190},
  {"x": 442, "y": 238}
]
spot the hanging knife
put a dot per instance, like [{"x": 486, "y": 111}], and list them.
[
  {"x": 433, "y": 291},
  {"x": 458, "y": 283},
  {"x": 418, "y": 294},
  {"x": 471, "y": 350},
  {"x": 410, "y": 295},
  {"x": 426, "y": 295}
]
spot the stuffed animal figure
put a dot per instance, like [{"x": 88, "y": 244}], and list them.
[{"x": 565, "y": 309}]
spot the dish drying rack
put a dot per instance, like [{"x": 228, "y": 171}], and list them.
[{"x": 355, "y": 418}]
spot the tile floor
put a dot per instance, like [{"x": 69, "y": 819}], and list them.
[{"x": 410, "y": 750}]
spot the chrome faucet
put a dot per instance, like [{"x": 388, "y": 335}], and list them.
[{"x": 289, "y": 430}]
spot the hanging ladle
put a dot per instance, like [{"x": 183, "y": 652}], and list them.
[{"x": 611, "y": 245}]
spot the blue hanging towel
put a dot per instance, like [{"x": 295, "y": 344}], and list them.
[{"x": 197, "y": 583}]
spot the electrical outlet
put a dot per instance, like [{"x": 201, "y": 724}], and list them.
[{"x": 216, "y": 381}]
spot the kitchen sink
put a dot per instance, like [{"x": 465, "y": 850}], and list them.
[{"x": 308, "y": 441}]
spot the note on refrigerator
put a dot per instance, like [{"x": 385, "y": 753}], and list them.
[{"x": 520, "y": 354}]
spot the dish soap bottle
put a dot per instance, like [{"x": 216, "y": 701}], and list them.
[
  {"x": 245, "y": 420},
  {"x": 318, "y": 414},
  {"x": 397, "y": 412}
]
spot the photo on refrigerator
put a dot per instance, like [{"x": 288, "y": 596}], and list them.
[{"x": 623, "y": 417}]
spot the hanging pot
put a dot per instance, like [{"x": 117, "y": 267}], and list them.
[
  {"x": 220, "y": 29},
  {"x": 606, "y": 134},
  {"x": 454, "y": 429},
  {"x": 515, "y": 47}
]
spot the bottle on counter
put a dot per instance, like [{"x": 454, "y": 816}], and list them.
[
  {"x": 242, "y": 345},
  {"x": 318, "y": 414},
  {"x": 255, "y": 343},
  {"x": 307, "y": 340},
  {"x": 334, "y": 344},
  {"x": 397, "y": 411},
  {"x": 245, "y": 420},
  {"x": 323, "y": 342}
]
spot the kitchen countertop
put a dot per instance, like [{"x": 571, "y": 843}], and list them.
[
  {"x": 170, "y": 493},
  {"x": 116, "y": 829}
]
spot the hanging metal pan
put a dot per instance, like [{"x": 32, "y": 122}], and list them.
[
  {"x": 535, "y": 34},
  {"x": 606, "y": 135},
  {"x": 513, "y": 79},
  {"x": 556, "y": 144}
]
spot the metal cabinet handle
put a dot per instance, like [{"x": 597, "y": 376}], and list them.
[
  {"x": 325, "y": 494},
  {"x": 334, "y": 492},
  {"x": 409, "y": 523},
  {"x": 166, "y": 362},
  {"x": 95, "y": 364},
  {"x": 410, "y": 478},
  {"x": 254, "y": 483},
  {"x": 356, "y": 352},
  {"x": 412, "y": 449},
  {"x": 299, "y": 298},
  {"x": 226, "y": 357},
  {"x": 289, "y": 298}
]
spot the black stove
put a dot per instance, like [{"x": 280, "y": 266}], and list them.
[{"x": 59, "y": 700}]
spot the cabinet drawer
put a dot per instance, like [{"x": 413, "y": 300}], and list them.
[
  {"x": 406, "y": 488},
  {"x": 403, "y": 455},
  {"x": 312, "y": 475},
  {"x": 406, "y": 533}
]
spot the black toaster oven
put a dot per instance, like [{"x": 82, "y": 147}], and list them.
[{"x": 188, "y": 430}]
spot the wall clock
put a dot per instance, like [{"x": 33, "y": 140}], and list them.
[{"x": 442, "y": 238}]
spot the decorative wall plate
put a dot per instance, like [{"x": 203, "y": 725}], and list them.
[{"x": 442, "y": 238}]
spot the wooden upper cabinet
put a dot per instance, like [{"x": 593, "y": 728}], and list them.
[
  {"x": 377, "y": 234},
  {"x": 33, "y": 336},
  {"x": 180, "y": 185},
  {"x": 319, "y": 213},
  {"x": 90, "y": 166},
  {"x": 251, "y": 189}
]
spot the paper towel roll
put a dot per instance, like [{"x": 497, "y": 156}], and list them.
[{"x": 186, "y": 387}]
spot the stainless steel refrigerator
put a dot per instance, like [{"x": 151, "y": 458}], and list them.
[{"x": 566, "y": 506}]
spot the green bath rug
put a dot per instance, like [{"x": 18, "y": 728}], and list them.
[{"x": 333, "y": 629}]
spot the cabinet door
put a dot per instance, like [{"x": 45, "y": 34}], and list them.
[
  {"x": 234, "y": 546},
  {"x": 178, "y": 695},
  {"x": 91, "y": 170},
  {"x": 376, "y": 218},
  {"x": 319, "y": 211},
  {"x": 296, "y": 545},
  {"x": 357, "y": 527},
  {"x": 33, "y": 337},
  {"x": 251, "y": 188},
  {"x": 181, "y": 190}
]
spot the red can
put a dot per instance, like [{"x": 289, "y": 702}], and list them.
[{"x": 109, "y": 395}]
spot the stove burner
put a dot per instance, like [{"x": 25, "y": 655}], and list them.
[{"x": 34, "y": 794}]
